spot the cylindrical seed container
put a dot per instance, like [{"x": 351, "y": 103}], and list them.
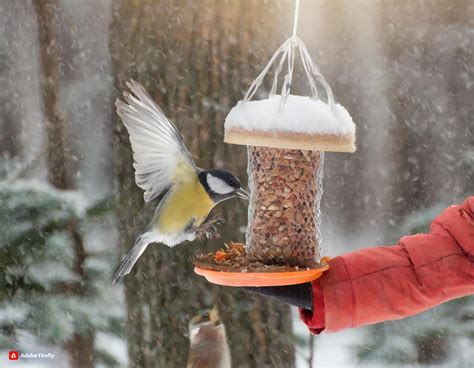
[{"x": 284, "y": 216}]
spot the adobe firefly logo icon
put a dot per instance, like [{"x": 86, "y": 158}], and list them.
[{"x": 13, "y": 355}]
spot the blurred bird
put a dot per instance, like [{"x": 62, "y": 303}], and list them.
[
  {"x": 165, "y": 170},
  {"x": 208, "y": 342}
]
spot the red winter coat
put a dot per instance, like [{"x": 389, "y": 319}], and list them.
[{"x": 386, "y": 283}]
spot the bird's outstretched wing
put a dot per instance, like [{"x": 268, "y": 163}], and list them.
[{"x": 160, "y": 154}]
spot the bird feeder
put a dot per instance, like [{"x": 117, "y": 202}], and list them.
[{"x": 286, "y": 136}]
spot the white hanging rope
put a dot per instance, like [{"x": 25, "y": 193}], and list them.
[
  {"x": 288, "y": 52},
  {"x": 295, "y": 19}
]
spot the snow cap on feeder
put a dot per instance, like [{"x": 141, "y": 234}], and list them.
[{"x": 290, "y": 121}]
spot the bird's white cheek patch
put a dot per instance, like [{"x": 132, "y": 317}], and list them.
[{"x": 218, "y": 185}]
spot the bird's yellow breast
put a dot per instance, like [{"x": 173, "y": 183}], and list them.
[{"x": 186, "y": 203}]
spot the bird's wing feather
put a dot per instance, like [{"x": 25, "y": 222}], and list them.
[{"x": 160, "y": 155}]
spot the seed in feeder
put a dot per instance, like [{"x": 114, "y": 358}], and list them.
[{"x": 282, "y": 198}]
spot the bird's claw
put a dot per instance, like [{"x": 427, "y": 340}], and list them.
[{"x": 208, "y": 229}]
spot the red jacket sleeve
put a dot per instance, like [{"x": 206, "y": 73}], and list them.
[{"x": 387, "y": 283}]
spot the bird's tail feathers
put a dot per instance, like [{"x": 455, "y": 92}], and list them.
[{"x": 132, "y": 256}]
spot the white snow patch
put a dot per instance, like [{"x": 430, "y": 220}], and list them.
[
  {"x": 300, "y": 114},
  {"x": 78, "y": 201},
  {"x": 48, "y": 273},
  {"x": 113, "y": 346},
  {"x": 13, "y": 313}
]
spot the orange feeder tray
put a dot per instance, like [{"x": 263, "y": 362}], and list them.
[{"x": 258, "y": 279}]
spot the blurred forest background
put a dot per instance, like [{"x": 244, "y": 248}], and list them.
[{"x": 69, "y": 207}]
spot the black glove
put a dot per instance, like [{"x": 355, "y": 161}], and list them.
[{"x": 300, "y": 295}]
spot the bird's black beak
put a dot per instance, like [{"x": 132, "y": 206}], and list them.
[{"x": 240, "y": 193}]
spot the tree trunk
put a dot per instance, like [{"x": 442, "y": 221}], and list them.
[
  {"x": 190, "y": 57},
  {"x": 10, "y": 129},
  {"x": 10, "y": 101},
  {"x": 81, "y": 350},
  {"x": 57, "y": 160},
  {"x": 80, "y": 346}
]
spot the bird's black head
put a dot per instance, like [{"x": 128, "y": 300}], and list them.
[{"x": 222, "y": 185}]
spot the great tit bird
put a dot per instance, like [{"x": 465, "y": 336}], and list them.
[
  {"x": 165, "y": 170},
  {"x": 208, "y": 342}
]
